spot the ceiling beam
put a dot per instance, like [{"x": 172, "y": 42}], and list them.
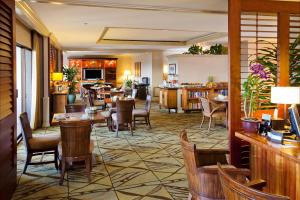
[
  {"x": 128, "y": 6},
  {"x": 206, "y": 38}
]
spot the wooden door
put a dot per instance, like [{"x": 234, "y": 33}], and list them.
[{"x": 8, "y": 123}]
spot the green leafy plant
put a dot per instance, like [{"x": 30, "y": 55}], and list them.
[
  {"x": 253, "y": 86},
  {"x": 70, "y": 75},
  {"x": 128, "y": 83},
  {"x": 217, "y": 49}
]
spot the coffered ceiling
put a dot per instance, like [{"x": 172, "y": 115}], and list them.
[{"x": 132, "y": 24}]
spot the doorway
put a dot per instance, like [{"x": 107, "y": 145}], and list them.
[{"x": 23, "y": 76}]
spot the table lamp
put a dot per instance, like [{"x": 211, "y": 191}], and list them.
[
  {"x": 285, "y": 95},
  {"x": 57, "y": 77}
]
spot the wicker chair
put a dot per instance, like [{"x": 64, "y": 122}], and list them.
[
  {"x": 123, "y": 115},
  {"x": 143, "y": 113},
  {"x": 202, "y": 171},
  {"x": 75, "y": 108},
  {"x": 211, "y": 111},
  {"x": 233, "y": 190},
  {"x": 38, "y": 145},
  {"x": 75, "y": 145}
]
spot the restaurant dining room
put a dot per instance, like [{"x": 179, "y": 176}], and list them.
[{"x": 144, "y": 100}]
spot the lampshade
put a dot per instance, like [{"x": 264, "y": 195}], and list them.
[
  {"x": 127, "y": 73},
  {"x": 285, "y": 95},
  {"x": 57, "y": 76}
]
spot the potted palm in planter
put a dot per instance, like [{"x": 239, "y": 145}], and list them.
[
  {"x": 253, "y": 86},
  {"x": 70, "y": 75}
]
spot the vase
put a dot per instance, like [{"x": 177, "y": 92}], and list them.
[
  {"x": 250, "y": 125},
  {"x": 71, "y": 98}
]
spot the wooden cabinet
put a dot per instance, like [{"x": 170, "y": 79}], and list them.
[
  {"x": 59, "y": 101},
  {"x": 168, "y": 98}
]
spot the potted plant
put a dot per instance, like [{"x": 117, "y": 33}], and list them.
[
  {"x": 70, "y": 76},
  {"x": 253, "y": 86}
]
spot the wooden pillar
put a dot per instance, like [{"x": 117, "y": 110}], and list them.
[
  {"x": 283, "y": 53},
  {"x": 234, "y": 118}
]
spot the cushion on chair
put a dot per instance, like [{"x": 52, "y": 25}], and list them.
[
  {"x": 44, "y": 142},
  {"x": 139, "y": 112},
  {"x": 114, "y": 116}
]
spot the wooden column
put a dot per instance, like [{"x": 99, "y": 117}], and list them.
[
  {"x": 234, "y": 20},
  {"x": 283, "y": 54}
]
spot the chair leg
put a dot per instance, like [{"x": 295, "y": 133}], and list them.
[
  {"x": 28, "y": 160},
  {"x": 149, "y": 122},
  {"x": 203, "y": 117},
  {"x": 134, "y": 122},
  {"x": 130, "y": 127},
  {"x": 62, "y": 172},
  {"x": 56, "y": 158},
  {"x": 117, "y": 131},
  {"x": 209, "y": 125},
  {"x": 88, "y": 167}
]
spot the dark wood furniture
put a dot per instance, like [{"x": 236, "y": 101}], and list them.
[
  {"x": 142, "y": 91},
  {"x": 8, "y": 119},
  {"x": 211, "y": 111},
  {"x": 71, "y": 108},
  {"x": 93, "y": 100},
  {"x": 59, "y": 101},
  {"x": 123, "y": 115},
  {"x": 109, "y": 65},
  {"x": 233, "y": 190},
  {"x": 278, "y": 164},
  {"x": 98, "y": 117},
  {"x": 143, "y": 113},
  {"x": 75, "y": 145},
  {"x": 168, "y": 98},
  {"x": 38, "y": 145},
  {"x": 202, "y": 171}
]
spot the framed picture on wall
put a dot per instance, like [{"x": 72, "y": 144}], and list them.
[
  {"x": 137, "y": 69},
  {"x": 172, "y": 69}
]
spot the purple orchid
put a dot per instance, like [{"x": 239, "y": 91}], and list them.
[{"x": 260, "y": 71}]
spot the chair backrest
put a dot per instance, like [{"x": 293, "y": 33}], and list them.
[
  {"x": 190, "y": 161},
  {"x": 206, "y": 106},
  {"x": 234, "y": 190},
  {"x": 27, "y": 131},
  {"x": 148, "y": 103},
  {"x": 134, "y": 93},
  {"x": 124, "y": 111},
  {"x": 91, "y": 94},
  {"x": 71, "y": 108},
  {"x": 75, "y": 138},
  {"x": 204, "y": 184}
]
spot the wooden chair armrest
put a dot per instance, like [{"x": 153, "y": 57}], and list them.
[
  {"x": 257, "y": 184},
  {"x": 237, "y": 171}
]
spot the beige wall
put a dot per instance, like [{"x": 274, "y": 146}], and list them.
[
  {"x": 23, "y": 35},
  {"x": 195, "y": 69}
]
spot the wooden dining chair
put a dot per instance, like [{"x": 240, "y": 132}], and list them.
[
  {"x": 123, "y": 115},
  {"x": 38, "y": 145},
  {"x": 75, "y": 145},
  {"x": 202, "y": 172},
  {"x": 71, "y": 108},
  {"x": 93, "y": 101},
  {"x": 234, "y": 190},
  {"x": 143, "y": 113},
  {"x": 211, "y": 111}
]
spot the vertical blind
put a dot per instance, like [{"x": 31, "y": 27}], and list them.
[{"x": 6, "y": 62}]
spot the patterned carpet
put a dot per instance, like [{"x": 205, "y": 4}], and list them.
[{"x": 148, "y": 165}]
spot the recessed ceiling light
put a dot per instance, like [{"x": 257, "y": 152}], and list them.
[
  {"x": 56, "y": 3},
  {"x": 85, "y": 23}
]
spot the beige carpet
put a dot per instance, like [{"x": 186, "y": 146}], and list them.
[{"x": 148, "y": 165}]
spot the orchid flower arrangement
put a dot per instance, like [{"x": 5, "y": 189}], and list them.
[{"x": 253, "y": 86}]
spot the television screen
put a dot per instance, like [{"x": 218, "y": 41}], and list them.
[{"x": 92, "y": 74}]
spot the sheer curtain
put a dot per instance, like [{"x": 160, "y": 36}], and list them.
[{"x": 37, "y": 83}]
